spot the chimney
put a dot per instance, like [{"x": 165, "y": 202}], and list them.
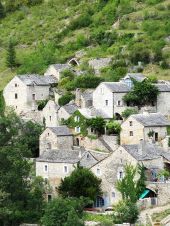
[
  {"x": 78, "y": 97},
  {"x": 141, "y": 147},
  {"x": 146, "y": 112},
  {"x": 80, "y": 155}
]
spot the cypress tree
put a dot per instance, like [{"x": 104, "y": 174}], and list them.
[
  {"x": 11, "y": 55},
  {"x": 2, "y": 11}
]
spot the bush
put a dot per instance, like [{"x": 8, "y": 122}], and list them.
[
  {"x": 87, "y": 81},
  {"x": 113, "y": 127},
  {"x": 65, "y": 99},
  {"x": 129, "y": 111},
  {"x": 125, "y": 211},
  {"x": 41, "y": 104},
  {"x": 83, "y": 20},
  {"x": 64, "y": 212}
]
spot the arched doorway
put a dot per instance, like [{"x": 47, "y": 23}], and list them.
[
  {"x": 77, "y": 142},
  {"x": 99, "y": 202},
  {"x": 118, "y": 116}
]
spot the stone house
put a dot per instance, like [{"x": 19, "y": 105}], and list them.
[
  {"x": 23, "y": 92},
  {"x": 50, "y": 114},
  {"x": 56, "y": 70},
  {"x": 146, "y": 126},
  {"x": 108, "y": 97},
  {"x": 111, "y": 168},
  {"x": 54, "y": 165},
  {"x": 56, "y": 138},
  {"x": 67, "y": 110}
]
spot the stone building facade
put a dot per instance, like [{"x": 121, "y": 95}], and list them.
[
  {"x": 146, "y": 126},
  {"x": 23, "y": 92},
  {"x": 50, "y": 114},
  {"x": 56, "y": 138},
  {"x": 108, "y": 97},
  {"x": 56, "y": 70}
]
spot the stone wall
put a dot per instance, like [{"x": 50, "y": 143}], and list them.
[
  {"x": 98, "y": 144},
  {"x": 163, "y": 191}
]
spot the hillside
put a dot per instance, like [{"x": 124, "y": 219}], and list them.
[{"x": 126, "y": 30}]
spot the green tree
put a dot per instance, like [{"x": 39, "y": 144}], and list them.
[
  {"x": 22, "y": 198},
  {"x": 129, "y": 111},
  {"x": 143, "y": 93},
  {"x": 2, "y": 11},
  {"x": 65, "y": 99},
  {"x": 98, "y": 124},
  {"x": 130, "y": 187},
  {"x": 64, "y": 212},
  {"x": 11, "y": 55},
  {"x": 87, "y": 183},
  {"x": 125, "y": 211},
  {"x": 2, "y": 104},
  {"x": 113, "y": 127}
]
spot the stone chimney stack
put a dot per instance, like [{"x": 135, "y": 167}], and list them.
[
  {"x": 141, "y": 147},
  {"x": 146, "y": 112},
  {"x": 78, "y": 97}
]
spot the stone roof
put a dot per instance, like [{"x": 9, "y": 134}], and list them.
[
  {"x": 92, "y": 112},
  {"x": 34, "y": 79},
  {"x": 61, "y": 131},
  {"x": 100, "y": 63},
  {"x": 61, "y": 67},
  {"x": 70, "y": 108},
  {"x": 163, "y": 87},
  {"x": 99, "y": 155},
  {"x": 60, "y": 156},
  {"x": 117, "y": 87},
  {"x": 146, "y": 151},
  {"x": 53, "y": 104},
  {"x": 137, "y": 76},
  {"x": 88, "y": 94},
  {"x": 151, "y": 119}
]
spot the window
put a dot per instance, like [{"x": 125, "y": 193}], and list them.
[
  {"x": 113, "y": 195},
  {"x": 49, "y": 198},
  {"x": 50, "y": 118},
  {"x": 107, "y": 102},
  {"x": 121, "y": 160},
  {"x": 98, "y": 171},
  {"x": 130, "y": 123},
  {"x": 119, "y": 103},
  {"x": 46, "y": 168},
  {"x": 76, "y": 118},
  {"x": 120, "y": 175},
  {"x": 16, "y": 85},
  {"x": 48, "y": 134},
  {"x": 65, "y": 169},
  {"x": 77, "y": 129},
  {"x": 102, "y": 90},
  {"x": 33, "y": 96},
  {"x": 131, "y": 133},
  {"x": 15, "y": 107},
  {"x": 87, "y": 156},
  {"x": 16, "y": 96}
]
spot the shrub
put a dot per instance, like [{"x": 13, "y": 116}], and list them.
[
  {"x": 113, "y": 127},
  {"x": 98, "y": 124},
  {"x": 65, "y": 99},
  {"x": 83, "y": 20},
  {"x": 41, "y": 104},
  {"x": 87, "y": 81},
  {"x": 63, "y": 212},
  {"x": 129, "y": 111}
]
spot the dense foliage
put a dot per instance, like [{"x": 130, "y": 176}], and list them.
[
  {"x": 65, "y": 99},
  {"x": 143, "y": 93},
  {"x": 64, "y": 212},
  {"x": 129, "y": 111},
  {"x": 87, "y": 183},
  {"x": 21, "y": 192},
  {"x": 97, "y": 124}
]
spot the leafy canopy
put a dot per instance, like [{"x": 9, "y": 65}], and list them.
[
  {"x": 143, "y": 93},
  {"x": 64, "y": 212},
  {"x": 81, "y": 183}
]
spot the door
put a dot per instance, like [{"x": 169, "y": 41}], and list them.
[{"x": 156, "y": 136}]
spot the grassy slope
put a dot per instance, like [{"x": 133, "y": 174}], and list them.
[{"x": 42, "y": 23}]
